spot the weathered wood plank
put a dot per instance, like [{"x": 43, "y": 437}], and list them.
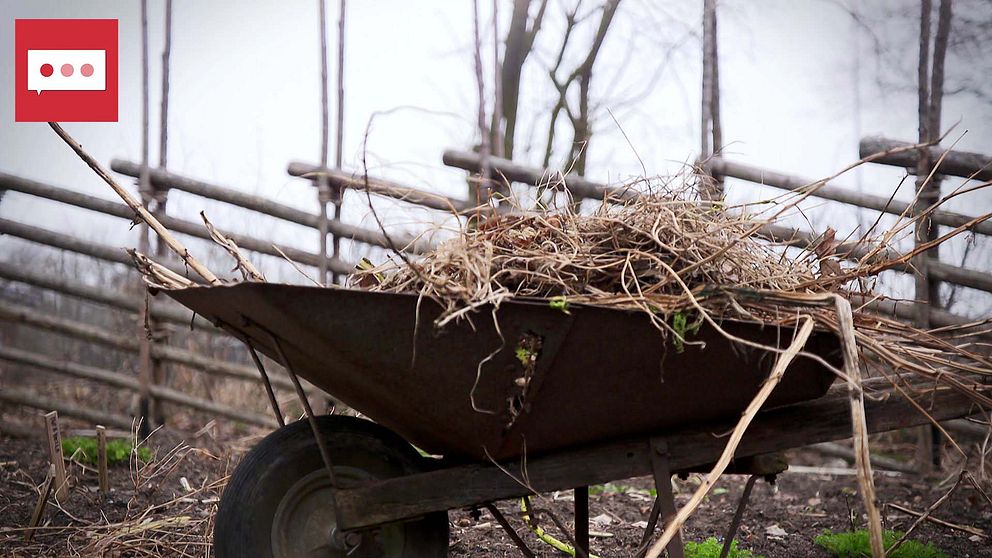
[
  {"x": 956, "y": 163},
  {"x": 825, "y": 419},
  {"x": 54, "y": 436}
]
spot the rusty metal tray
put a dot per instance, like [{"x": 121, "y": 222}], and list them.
[{"x": 601, "y": 374}]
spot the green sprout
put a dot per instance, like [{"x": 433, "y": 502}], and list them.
[
  {"x": 711, "y": 548},
  {"x": 559, "y": 303},
  {"x": 858, "y": 545},
  {"x": 118, "y": 451},
  {"x": 524, "y": 355},
  {"x": 680, "y": 323}
]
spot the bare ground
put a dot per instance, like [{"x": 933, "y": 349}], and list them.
[{"x": 153, "y": 514}]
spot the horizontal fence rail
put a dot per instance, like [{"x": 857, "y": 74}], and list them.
[
  {"x": 111, "y": 298},
  {"x": 169, "y": 181},
  {"x": 955, "y": 163},
  {"x": 190, "y": 228},
  {"x": 125, "y": 381},
  {"x": 578, "y": 186},
  {"x": 86, "y": 332},
  {"x": 722, "y": 167},
  {"x": 948, "y": 273},
  {"x": 382, "y": 187},
  {"x": 31, "y": 399},
  {"x": 72, "y": 244}
]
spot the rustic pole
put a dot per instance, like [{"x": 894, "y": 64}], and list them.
[
  {"x": 123, "y": 382},
  {"x": 496, "y": 121},
  {"x": 480, "y": 84},
  {"x": 162, "y": 194},
  {"x": 31, "y": 399},
  {"x": 54, "y": 437},
  {"x": 163, "y": 148},
  {"x": 323, "y": 190},
  {"x": 269, "y": 207},
  {"x": 931, "y": 88},
  {"x": 974, "y": 166},
  {"x": 923, "y": 161},
  {"x": 39, "y": 506},
  {"x": 715, "y": 98},
  {"x": 146, "y": 366},
  {"x": 338, "y": 192},
  {"x": 706, "y": 111},
  {"x": 710, "y": 128},
  {"x": 101, "y": 452},
  {"x": 859, "y": 424}
]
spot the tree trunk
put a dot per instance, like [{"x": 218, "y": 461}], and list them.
[
  {"x": 580, "y": 124},
  {"x": 519, "y": 43}
]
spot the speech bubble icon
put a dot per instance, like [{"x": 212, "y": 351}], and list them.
[{"x": 67, "y": 70}]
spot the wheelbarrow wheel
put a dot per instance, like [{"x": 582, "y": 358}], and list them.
[{"x": 276, "y": 503}]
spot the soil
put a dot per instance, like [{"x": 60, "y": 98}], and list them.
[{"x": 781, "y": 520}]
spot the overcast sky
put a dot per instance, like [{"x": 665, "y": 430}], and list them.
[{"x": 799, "y": 87}]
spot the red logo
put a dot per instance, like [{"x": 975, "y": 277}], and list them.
[{"x": 66, "y": 70}]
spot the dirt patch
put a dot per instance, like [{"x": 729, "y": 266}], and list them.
[
  {"x": 801, "y": 505},
  {"x": 150, "y": 510}
]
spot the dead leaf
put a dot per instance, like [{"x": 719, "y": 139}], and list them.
[
  {"x": 602, "y": 520},
  {"x": 774, "y": 531}
]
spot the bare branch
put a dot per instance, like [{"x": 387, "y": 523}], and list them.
[{"x": 519, "y": 44}]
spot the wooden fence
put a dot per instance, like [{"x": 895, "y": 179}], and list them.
[
  {"x": 966, "y": 165},
  {"x": 163, "y": 311}
]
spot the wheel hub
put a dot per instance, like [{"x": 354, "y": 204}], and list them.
[{"x": 304, "y": 524}]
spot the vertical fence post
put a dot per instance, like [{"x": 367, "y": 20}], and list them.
[
  {"x": 162, "y": 193},
  {"x": 338, "y": 194},
  {"x": 146, "y": 374},
  {"x": 710, "y": 131},
  {"x": 323, "y": 189},
  {"x": 160, "y": 370},
  {"x": 930, "y": 89}
]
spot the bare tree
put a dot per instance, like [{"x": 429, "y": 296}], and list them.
[
  {"x": 519, "y": 44},
  {"x": 581, "y": 76}
]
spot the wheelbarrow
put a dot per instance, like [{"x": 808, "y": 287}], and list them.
[{"x": 530, "y": 397}]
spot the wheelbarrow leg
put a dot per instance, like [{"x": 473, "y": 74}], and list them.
[
  {"x": 510, "y": 531},
  {"x": 728, "y": 539},
  {"x": 665, "y": 501},
  {"x": 582, "y": 520}
]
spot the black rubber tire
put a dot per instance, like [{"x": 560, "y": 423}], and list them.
[{"x": 282, "y": 460}]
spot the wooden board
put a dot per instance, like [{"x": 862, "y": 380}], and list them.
[
  {"x": 54, "y": 436},
  {"x": 825, "y": 419}
]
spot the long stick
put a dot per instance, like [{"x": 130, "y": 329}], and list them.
[
  {"x": 39, "y": 507},
  {"x": 323, "y": 191},
  {"x": 859, "y": 423},
  {"x": 735, "y": 438},
  {"x": 163, "y": 144},
  {"x": 147, "y": 406},
  {"x": 137, "y": 207},
  {"x": 101, "y": 459},
  {"x": 480, "y": 82}
]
